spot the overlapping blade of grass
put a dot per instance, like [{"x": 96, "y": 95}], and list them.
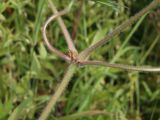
[{"x": 38, "y": 22}]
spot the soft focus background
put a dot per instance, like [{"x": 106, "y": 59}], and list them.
[{"x": 29, "y": 73}]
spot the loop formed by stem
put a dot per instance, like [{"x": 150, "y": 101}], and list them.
[{"x": 50, "y": 47}]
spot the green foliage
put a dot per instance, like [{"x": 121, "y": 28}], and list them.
[{"x": 29, "y": 73}]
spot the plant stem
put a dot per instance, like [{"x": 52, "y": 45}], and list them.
[
  {"x": 63, "y": 28},
  {"x": 121, "y": 66},
  {"x": 50, "y": 47},
  {"x": 119, "y": 29},
  {"x": 69, "y": 73}
]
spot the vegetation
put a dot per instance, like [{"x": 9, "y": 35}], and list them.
[{"x": 30, "y": 74}]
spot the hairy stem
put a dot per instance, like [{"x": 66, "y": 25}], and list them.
[
  {"x": 122, "y": 66},
  {"x": 118, "y": 30},
  {"x": 69, "y": 73},
  {"x": 63, "y": 28}
]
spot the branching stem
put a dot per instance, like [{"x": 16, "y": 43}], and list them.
[
  {"x": 81, "y": 58},
  {"x": 118, "y": 30},
  {"x": 63, "y": 28}
]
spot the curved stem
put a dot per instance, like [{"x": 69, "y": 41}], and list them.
[
  {"x": 50, "y": 47},
  {"x": 69, "y": 73},
  {"x": 119, "y": 29},
  {"x": 63, "y": 28},
  {"x": 121, "y": 66}
]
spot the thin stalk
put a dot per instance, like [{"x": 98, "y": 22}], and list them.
[
  {"x": 121, "y": 66},
  {"x": 63, "y": 28},
  {"x": 119, "y": 29},
  {"x": 67, "y": 77},
  {"x": 121, "y": 50},
  {"x": 50, "y": 47}
]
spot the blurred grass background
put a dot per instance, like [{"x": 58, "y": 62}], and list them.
[{"x": 29, "y": 73}]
